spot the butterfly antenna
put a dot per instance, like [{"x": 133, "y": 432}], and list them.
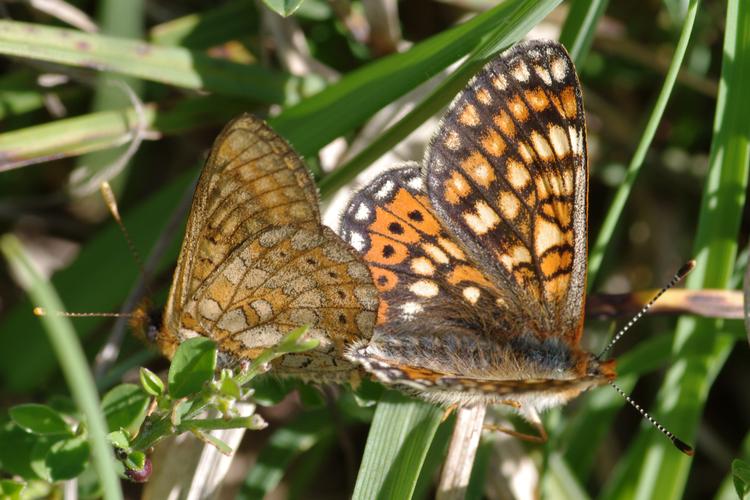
[
  {"x": 39, "y": 311},
  {"x": 111, "y": 202},
  {"x": 679, "y": 444},
  {"x": 684, "y": 271}
]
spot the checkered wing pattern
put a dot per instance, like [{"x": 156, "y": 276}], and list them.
[
  {"x": 422, "y": 274},
  {"x": 506, "y": 174},
  {"x": 479, "y": 254},
  {"x": 256, "y": 261}
]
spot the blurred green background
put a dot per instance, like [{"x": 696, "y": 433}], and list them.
[{"x": 332, "y": 78}]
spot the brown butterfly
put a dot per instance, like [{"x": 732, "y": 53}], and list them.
[{"x": 256, "y": 262}]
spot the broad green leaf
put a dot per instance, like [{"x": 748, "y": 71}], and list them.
[
  {"x": 67, "y": 458},
  {"x": 193, "y": 365},
  {"x": 741, "y": 477},
  {"x": 221, "y": 23},
  {"x": 151, "y": 382},
  {"x": 16, "y": 446},
  {"x": 39, "y": 452},
  {"x": 348, "y": 103},
  {"x": 70, "y": 358},
  {"x": 11, "y": 490},
  {"x": 652, "y": 468},
  {"x": 125, "y": 407},
  {"x": 40, "y": 419}
]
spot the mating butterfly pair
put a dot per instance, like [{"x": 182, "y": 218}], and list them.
[{"x": 477, "y": 257}]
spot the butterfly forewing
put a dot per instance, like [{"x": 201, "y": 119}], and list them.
[
  {"x": 506, "y": 173},
  {"x": 485, "y": 303}
]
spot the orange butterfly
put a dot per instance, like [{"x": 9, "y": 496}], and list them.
[{"x": 479, "y": 253}]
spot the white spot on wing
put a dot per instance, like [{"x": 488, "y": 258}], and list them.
[
  {"x": 483, "y": 219},
  {"x": 409, "y": 309},
  {"x": 363, "y": 212},
  {"x": 472, "y": 293},
  {"x": 263, "y": 309},
  {"x": 559, "y": 140},
  {"x": 424, "y": 288},
  {"x": 415, "y": 183},
  {"x": 384, "y": 190},
  {"x": 575, "y": 140},
  {"x": 546, "y": 235},
  {"x": 559, "y": 69},
  {"x": 234, "y": 321},
  {"x": 520, "y": 71},
  {"x": 541, "y": 146},
  {"x": 209, "y": 309},
  {"x": 423, "y": 266},
  {"x": 357, "y": 241},
  {"x": 435, "y": 253},
  {"x": 542, "y": 73},
  {"x": 452, "y": 141}
]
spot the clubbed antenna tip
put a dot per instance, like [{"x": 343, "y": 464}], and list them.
[{"x": 683, "y": 447}]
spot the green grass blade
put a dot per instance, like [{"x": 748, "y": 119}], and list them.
[
  {"x": 601, "y": 245},
  {"x": 347, "y": 104},
  {"x": 399, "y": 438},
  {"x": 120, "y": 19},
  {"x": 285, "y": 444},
  {"x": 208, "y": 29},
  {"x": 72, "y": 360},
  {"x": 652, "y": 468},
  {"x": 560, "y": 482},
  {"x": 518, "y": 22},
  {"x": 106, "y": 129},
  {"x": 169, "y": 65},
  {"x": 27, "y": 361},
  {"x": 580, "y": 25}
]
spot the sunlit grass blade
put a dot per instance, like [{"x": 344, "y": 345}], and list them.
[
  {"x": 72, "y": 360},
  {"x": 107, "y": 129},
  {"x": 169, "y": 65},
  {"x": 596, "y": 255},
  {"x": 226, "y": 21},
  {"x": 27, "y": 360},
  {"x": 652, "y": 468},
  {"x": 361, "y": 93},
  {"x": 580, "y": 24},
  {"x": 285, "y": 444},
  {"x": 399, "y": 438},
  {"x": 518, "y": 22}
]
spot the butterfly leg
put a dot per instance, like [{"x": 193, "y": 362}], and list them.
[
  {"x": 531, "y": 416},
  {"x": 447, "y": 412}
]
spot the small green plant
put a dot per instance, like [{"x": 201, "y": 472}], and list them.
[{"x": 48, "y": 442}]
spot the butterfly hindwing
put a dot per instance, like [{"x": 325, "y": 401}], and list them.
[
  {"x": 416, "y": 265},
  {"x": 506, "y": 173},
  {"x": 287, "y": 277},
  {"x": 257, "y": 263}
]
